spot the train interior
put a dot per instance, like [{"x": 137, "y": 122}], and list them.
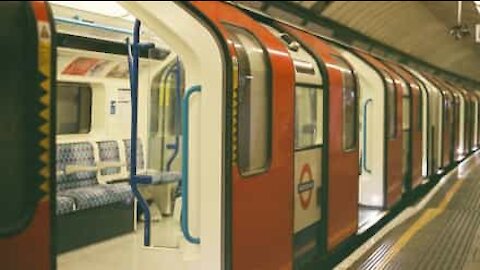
[{"x": 94, "y": 130}]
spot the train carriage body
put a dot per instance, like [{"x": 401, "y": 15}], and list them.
[{"x": 260, "y": 144}]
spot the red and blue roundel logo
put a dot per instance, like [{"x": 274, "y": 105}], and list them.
[{"x": 305, "y": 187}]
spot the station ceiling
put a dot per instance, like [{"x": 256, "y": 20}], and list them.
[{"x": 412, "y": 32}]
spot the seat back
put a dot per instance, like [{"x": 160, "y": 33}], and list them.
[
  {"x": 77, "y": 154},
  {"x": 140, "y": 159},
  {"x": 109, "y": 152}
]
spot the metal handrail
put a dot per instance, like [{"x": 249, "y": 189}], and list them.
[
  {"x": 185, "y": 165},
  {"x": 364, "y": 154}
]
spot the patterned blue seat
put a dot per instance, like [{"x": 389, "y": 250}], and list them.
[
  {"x": 79, "y": 190},
  {"x": 121, "y": 192},
  {"x": 159, "y": 178},
  {"x": 65, "y": 205},
  {"x": 75, "y": 154},
  {"x": 140, "y": 160},
  {"x": 109, "y": 152},
  {"x": 88, "y": 197}
]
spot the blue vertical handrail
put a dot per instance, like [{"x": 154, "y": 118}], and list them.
[
  {"x": 185, "y": 136},
  {"x": 365, "y": 135},
  {"x": 177, "y": 100},
  {"x": 133, "y": 59}
]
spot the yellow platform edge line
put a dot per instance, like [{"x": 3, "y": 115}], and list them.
[{"x": 424, "y": 219}]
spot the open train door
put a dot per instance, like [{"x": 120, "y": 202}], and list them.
[
  {"x": 27, "y": 136},
  {"x": 262, "y": 167}
]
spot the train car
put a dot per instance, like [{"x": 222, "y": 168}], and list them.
[{"x": 219, "y": 136}]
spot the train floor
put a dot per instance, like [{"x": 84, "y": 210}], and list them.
[
  {"x": 127, "y": 253},
  {"x": 443, "y": 234}
]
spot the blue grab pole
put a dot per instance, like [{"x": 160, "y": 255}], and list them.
[
  {"x": 134, "y": 179},
  {"x": 185, "y": 130}
]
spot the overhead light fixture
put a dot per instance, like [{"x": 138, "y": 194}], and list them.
[
  {"x": 460, "y": 30},
  {"x": 106, "y": 8}
]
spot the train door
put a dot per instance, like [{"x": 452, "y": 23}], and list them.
[
  {"x": 340, "y": 188},
  {"x": 309, "y": 150},
  {"x": 460, "y": 126},
  {"x": 447, "y": 121},
  {"x": 459, "y": 141},
  {"x": 475, "y": 120},
  {"x": 467, "y": 120},
  {"x": 447, "y": 128},
  {"x": 262, "y": 170},
  {"x": 371, "y": 179},
  {"x": 393, "y": 135},
  {"x": 27, "y": 138},
  {"x": 415, "y": 125},
  {"x": 432, "y": 124},
  {"x": 474, "y": 115},
  {"x": 406, "y": 131}
]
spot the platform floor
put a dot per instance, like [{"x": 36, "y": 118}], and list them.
[{"x": 445, "y": 234}]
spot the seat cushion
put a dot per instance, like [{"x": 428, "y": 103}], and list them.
[
  {"x": 120, "y": 192},
  {"x": 65, "y": 205},
  {"x": 88, "y": 197},
  {"x": 140, "y": 161}
]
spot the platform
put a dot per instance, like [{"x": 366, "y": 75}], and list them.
[{"x": 445, "y": 234}]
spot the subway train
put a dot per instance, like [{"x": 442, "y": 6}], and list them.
[{"x": 256, "y": 144}]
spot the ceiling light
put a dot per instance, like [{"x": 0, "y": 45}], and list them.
[{"x": 107, "y": 8}]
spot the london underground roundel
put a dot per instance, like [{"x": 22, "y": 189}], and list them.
[{"x": 305, "y": 186}]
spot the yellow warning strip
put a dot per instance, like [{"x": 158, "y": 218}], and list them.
[{"x": 426, "y": 217}]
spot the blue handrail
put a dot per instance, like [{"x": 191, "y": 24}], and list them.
[
  {"x": 133, "y": 56},
  {"x": 365, "y": 135},
  {"x": 185, "y": 130}
]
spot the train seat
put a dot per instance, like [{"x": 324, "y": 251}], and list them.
[
  {"x": 77, "y": 179},
  {"x": 75, "y": 166},
  {"x": 140, "y": 159},
  {"x": 158, "y": 177},
  {"x": 65, "y": 205},
  {"x": 120, "y": 192},
  {"x": 109, "y": 154}
]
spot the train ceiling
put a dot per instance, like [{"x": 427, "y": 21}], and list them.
[{"x": 412, "y": 32}]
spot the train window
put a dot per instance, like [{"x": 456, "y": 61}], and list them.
[
  {"x": 253, "y": 102},
  {"x": 166, "y": 94},
  {"x": 308, "y": 117},
  {"x": 420, "y": 109},
  {"x": 391, "y": 107},
  {"x": 74, "y": 106},
  {"x": 349, "y": 134}
]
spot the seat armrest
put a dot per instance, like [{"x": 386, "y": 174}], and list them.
[
  {"x": 69, "y": 169},
  {"x": 159, "y": 178},
  {"x": 104, "y": 165}
]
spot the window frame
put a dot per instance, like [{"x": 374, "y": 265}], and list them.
[
  {"x": 419, "y": 126},
  {"x": 171, "y": 125},
  {"x": 232, "y": 36},
  {"x": 340, "y": 61},
  {"x": 389, "y": 79},
  {"x": 317, "y": 87}
]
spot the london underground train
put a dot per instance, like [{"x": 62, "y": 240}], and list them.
[{"x": 256, "y": 144}]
